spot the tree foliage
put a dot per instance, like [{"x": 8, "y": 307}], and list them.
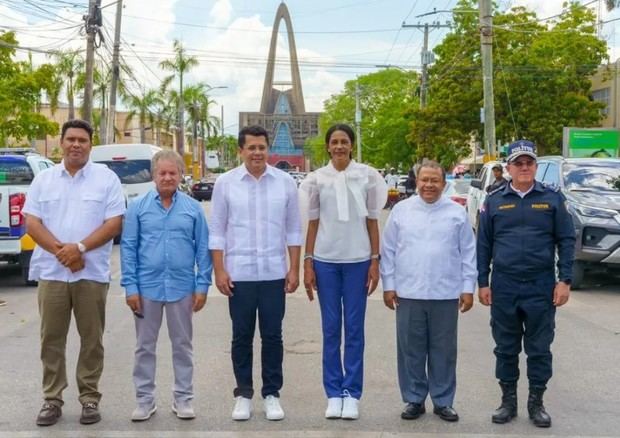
[
  {"x": 20, "y": 92},
  {"x": 386, "y": 97},
  {"x": 541, "y": 81}
]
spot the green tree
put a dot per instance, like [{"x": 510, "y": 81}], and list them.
[
  {"x": 142, "y": 107},
  {"x": 386, "y": 99},
  {"x": 180, "y": 65},
  {"x": 20, "y": 90},
  {"x": 69, "y": 65},
  {"x": 541, "y": 82}
]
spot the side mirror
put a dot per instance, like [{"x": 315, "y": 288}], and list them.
[{"x": 477, "y": 183}]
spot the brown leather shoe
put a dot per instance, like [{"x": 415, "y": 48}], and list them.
[
  {"x": 49, "y": 414},
  {"x": 90, "y": 413}
]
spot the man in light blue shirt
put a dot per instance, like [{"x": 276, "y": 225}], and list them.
[
  {"x": 428, "y": 269},
  {"x": 165, "y": 264}
]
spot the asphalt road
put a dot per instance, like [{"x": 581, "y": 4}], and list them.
[{"x": 583, "y": 397}]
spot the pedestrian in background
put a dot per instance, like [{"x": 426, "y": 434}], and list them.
[
  {"x": 428, "y": 294},
  {"x": 73, "y": 211},
  {"x": 344, "y": 200},
  {"x": 499, "y": 181},
  {"x": 254, "y": 221},
  {"x": 391, "y": 179},
  {"x": 523, "y": 225},
  {"x": 166, "y": 266},
  {"x": 410, "y": 183}
]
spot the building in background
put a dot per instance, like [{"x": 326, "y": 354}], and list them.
[{"x": 282, "y": 111}]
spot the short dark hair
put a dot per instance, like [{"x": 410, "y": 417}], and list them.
[
  {"x": 77, "y": 123},
  {"x": 432, "y": 165},
  {"x": 340, "y": 127},
  {"x": 255, "y": 130}
]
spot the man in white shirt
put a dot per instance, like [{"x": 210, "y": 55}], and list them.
[
  {"x": 254, "y": 220},
  {"x": 428, "y": 269},
  {"x": 391, "y": 179},
  {"x": 73, "y": 211}
]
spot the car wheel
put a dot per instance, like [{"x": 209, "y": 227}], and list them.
[
  {"x": 578, "y": 274},
  {"x": 25, "y": 268}
]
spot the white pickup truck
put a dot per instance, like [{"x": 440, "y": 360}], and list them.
[
  {"x": 478, "y": 191},
  {"x": 17, "y": 170}
]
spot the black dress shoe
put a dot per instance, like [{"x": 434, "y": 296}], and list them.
[
  {"x": 49, "y": 414},
  {"x": 412, "y": 411},
  {"x": 90, "y": 413},
  {"x": 446, "y": 413}
]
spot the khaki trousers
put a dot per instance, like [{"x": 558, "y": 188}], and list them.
[{"x": 87, "y": 300}]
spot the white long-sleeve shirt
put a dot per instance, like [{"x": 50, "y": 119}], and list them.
[
  {"x": 428, "y": 251},
  {"x": 254, "y": 221}
]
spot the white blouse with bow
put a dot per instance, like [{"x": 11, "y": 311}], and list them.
[{"x": 342, "y": 201}]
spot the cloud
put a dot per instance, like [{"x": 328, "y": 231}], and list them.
[{"x": 221, "y": 13}]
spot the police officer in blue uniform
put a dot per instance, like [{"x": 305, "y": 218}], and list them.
[{"x": 522, "y": 225}]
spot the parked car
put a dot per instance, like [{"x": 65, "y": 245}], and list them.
[
  {"x": 592, "y": 190},
  {"x": 131, "y": 163},
  {"x": 477, "y": 193},
  {"x": 457, "y": 190},
  {"x": 16, "y": 174},
  {"x": 202, "y": 190}
]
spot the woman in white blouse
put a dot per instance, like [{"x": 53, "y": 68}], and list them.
[{"x": 344, "y": 200}]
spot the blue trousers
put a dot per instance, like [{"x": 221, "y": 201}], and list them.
[
  {"x": 523, "y": 311},
  {"x": 267, "y": 299},
  {"x": 342, "y": 292},
  {"x": 426, "y": 335}
]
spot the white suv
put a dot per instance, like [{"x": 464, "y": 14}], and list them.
[{"x": 478, "y": 191}]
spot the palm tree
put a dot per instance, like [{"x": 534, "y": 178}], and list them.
[
  {"x": 142, "y": 107},
  {"x": 179, "y": 66},
  {"x": 69, "y": 65}
]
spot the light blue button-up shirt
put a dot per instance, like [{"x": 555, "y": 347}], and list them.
[
  {"x": 428, "y": 251},
  {"x": 164, "y": 252}
]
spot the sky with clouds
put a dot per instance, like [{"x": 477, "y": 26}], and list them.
[{"x": 336, "y": 40}]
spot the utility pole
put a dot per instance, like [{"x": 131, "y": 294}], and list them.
[
  {"x": 358, "y": 122},
  {"x": 115, "y": 73},
  {"x": 92, "y": 23},
  {"x": 224, "y": 146},
  {"x": 486, "y": 42},
  {"x": 427, "y": 56}
]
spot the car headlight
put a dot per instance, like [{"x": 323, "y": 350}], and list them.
[{"x": 586, "y": 211}]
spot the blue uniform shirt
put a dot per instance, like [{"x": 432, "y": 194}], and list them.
[
  {"x": 520, "y": 235},
  {"x": 164, "y": 252}
]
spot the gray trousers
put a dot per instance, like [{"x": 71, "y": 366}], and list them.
[
  {"x": 426, "y": 334},
  {"x": 179, "y": 321}
]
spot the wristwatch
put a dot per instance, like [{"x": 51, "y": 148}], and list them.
[
  {"x": 81, "y": 247},
  {"x": 375, "y": 257}
]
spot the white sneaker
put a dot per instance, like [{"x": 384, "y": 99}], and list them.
[
  {"x": 143, "y": 411},
  {"x": 350, "y": 408},
  {"x": 243, "y": 409},
  {"x": 273, "y": 410},
  {"x": 334, "y": 407},
  {"x": 183, "y": 409}
]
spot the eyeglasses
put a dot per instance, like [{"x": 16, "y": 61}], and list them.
[{"x": 523, "y": 163}]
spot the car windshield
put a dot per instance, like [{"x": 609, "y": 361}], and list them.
[
  {"x": 604, "y": 176},
  {"x": 131, "y": 171},
  {"x": 15, "y": 171},
  {"x": 461, "y": 186}
]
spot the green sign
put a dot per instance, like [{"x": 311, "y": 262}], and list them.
[{"x": 591, "y": 142}]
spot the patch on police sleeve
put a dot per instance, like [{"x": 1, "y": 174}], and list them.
[
  {"x": 506, "y": 206},
  {"x": 541, "y": 206}
]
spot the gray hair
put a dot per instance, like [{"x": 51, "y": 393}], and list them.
[
  {"x": 167, "y": 155},
  {"x": 432, "y": 165}
]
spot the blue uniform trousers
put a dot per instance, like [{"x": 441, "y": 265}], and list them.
[
  {"x": 523, "y": 311},
  {"x": 342, "y": 291}
]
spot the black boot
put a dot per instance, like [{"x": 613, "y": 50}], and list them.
[
  {"x": 508, "y": 409},
  {"x": 536, "y": 409}
]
